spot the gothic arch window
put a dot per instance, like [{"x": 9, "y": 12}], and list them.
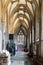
[{"x": 20, "y": 38}]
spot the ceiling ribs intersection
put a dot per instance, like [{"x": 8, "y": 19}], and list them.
[{"x": 25, "y": 8}]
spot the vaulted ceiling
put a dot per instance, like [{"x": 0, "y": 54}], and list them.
[{"x": 17, "y": 13}]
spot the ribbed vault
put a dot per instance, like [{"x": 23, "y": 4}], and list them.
[{"x": 25, "y": 13}]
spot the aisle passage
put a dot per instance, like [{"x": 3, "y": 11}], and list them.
[
  {"x": 18, "y": 62},
  {"x": 21, "y": 61}
]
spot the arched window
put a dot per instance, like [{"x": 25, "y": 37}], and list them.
[{"x": 20, "y": 38}]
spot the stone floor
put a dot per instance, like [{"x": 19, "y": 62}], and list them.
[{"x": 20, "y": 60}]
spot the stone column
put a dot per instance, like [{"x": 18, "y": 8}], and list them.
[
  {"x": 0, "y": 36},
  {"x": 42, "y": 29},
  {"x": 5, "y": 29},
  {"x": 28, "y": 41}
]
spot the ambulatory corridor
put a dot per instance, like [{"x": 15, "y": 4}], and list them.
[
  {"x": 21, "y": 32},
  {"x": 22, "y": 61}
]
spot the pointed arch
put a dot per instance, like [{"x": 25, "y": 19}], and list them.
[
  {"x": 33, "y": 1},
  {"x": 19, "y": 25},
  {"x": 21, "y": 15},
  {"x": 17, "y": 8}
]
